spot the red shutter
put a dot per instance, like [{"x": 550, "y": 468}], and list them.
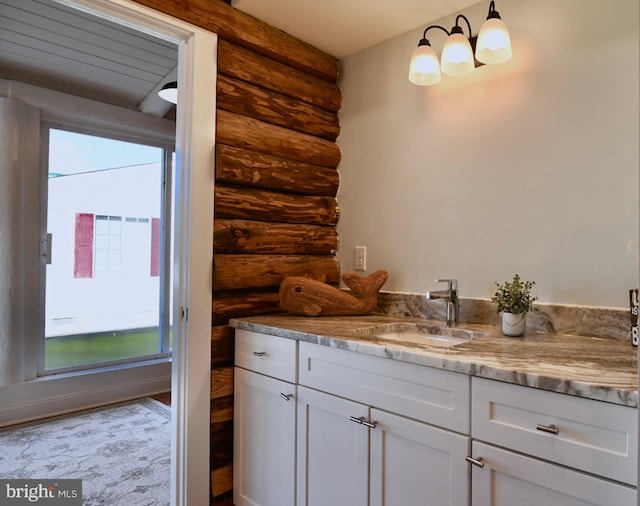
[
  {"x": 155, "y": 246},
  {"x": 83, "y": 252}
]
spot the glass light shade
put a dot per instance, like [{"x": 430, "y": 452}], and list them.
[
  {"x": 457, "y": 56},
  {"x": 169, "y": 92},
  {"x": 494, "y": 42},
  {"x": 424, "y": 69}
]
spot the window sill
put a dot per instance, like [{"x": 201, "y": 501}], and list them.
[{"x": 63, "y": 393}]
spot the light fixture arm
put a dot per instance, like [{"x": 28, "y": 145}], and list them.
[
  {"x": 458, "y": 29},
  {"x": 424, "y": 35},
  {"x": 493, "y": 13}
]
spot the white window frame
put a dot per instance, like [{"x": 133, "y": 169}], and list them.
[
  {"x": 190, "y": 368},
  {"x": 113, "y": 131}
]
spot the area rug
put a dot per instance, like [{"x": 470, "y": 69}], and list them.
[{"x": 121, "y": 453}]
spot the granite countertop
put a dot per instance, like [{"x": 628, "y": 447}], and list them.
[{"x": 590, "y": 367}]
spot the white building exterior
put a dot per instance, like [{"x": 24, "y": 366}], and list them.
[{"x": 105, "y": 252}]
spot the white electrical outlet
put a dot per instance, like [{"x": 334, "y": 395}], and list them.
[{"x": 361, "y": 258}]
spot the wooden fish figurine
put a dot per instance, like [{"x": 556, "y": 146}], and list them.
[{"x": 310, "y": 297}]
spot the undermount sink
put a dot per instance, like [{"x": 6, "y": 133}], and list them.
[{"x": 422, "y": 333}]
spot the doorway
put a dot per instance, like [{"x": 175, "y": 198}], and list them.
[{"x": 190, "y": 365}]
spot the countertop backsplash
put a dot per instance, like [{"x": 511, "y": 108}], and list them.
[{"x": 552, "y": 318}]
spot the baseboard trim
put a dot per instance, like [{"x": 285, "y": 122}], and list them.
[{"x": 52, "y": 396}]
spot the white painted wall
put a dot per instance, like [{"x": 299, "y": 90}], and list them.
[{"x": 530, "y": 166}]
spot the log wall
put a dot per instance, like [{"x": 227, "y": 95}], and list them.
[{"x": 276, "y": 184}]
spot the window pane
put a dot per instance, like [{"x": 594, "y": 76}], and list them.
[
  {"x": 102, "y": 301},
  {"x": 102, "y": 225}
]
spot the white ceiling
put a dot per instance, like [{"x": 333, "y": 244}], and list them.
[
  {"x": 344, "y": 27},
  {"x": 49, "y": 44}
]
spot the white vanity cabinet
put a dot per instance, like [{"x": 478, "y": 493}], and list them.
[
  {"x": 575, "y": 448},
  {"x": 363, "y": 437},
  {"x": 264, "y": 420},
  {"x": 317, "y": 426}
]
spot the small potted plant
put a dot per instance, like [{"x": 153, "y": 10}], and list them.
[{"x": 514, "y": 300}]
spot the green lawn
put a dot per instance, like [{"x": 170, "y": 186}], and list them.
[{"x": 68, "y": 351}]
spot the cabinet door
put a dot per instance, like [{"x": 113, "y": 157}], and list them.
[
  {"x": 508, "y": 479},
  {"x": 264, "y": 441},
  {"x": 416, "y": 464},
  {"x": 333, "y": 451}
]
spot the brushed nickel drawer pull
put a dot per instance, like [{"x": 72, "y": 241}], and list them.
[
  {"x": 551, "y": 429},
  {"x": 476, "y": 462},
  {"x": 362, "y": 421},
  {"x": 259, "y": 353},
  {"x": 285, "y": 396}
]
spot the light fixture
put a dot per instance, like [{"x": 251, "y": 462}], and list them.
[
  {"x": 424, "y": 69},
  {"x": 169, "y": 92},
  {"x": 457, "y": 55},
  {"x": 493, "y": 46},
  {"x": 494, "y": 42}
]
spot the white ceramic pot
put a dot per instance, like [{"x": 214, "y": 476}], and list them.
[{"x": 513, "y": 325}]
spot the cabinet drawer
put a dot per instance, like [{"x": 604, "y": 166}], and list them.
[
  {"x": 593, "y": 436},
  {"x": 265, "y": 354},
  {"x": 510, "y": 478},
  {"x": 423, "y": 393}
]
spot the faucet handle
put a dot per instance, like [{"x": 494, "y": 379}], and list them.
[{"x": 452, "y": 283}]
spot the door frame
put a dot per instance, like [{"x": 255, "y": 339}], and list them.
[{"x": 195, "y": 137}]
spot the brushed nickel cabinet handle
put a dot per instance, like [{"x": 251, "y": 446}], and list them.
[
  {"x": 476, "y": 462},
  {"x": 551, "y": 429},
  {"x": 259, "y": 353},
  {"x": 285, "y": 396},
  {"x": 361, "y": 420}
]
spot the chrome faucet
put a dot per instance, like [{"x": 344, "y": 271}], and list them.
[{"x": 450, "y": 295}]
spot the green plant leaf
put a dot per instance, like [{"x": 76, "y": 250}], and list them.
[{"x": 514, "y": 296}]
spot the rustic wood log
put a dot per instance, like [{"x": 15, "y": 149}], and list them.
[
  {"x": 254, "y": 68},
  {"x": 235, "y": 272},
  {"x": 249, "y": 168},
  {"x": 222, "y": 346},
  {"x": 236, "y": 304},
  {"x": 245, "y": 236},
  {"x": 277, "y": 109},
  {"x": 244, "y": 132},
  {"x": 221, "y": 456},
  {"x": 252, "y": 204},
  {"x": 221, "y": 443},
  {"x": 245, "y": 30},
  {"x": 222, "y": 409},
  {"x": 221, "y": 382},
  {"x": 223, "y": 500},
  {"x": 221, "y": 481}
]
